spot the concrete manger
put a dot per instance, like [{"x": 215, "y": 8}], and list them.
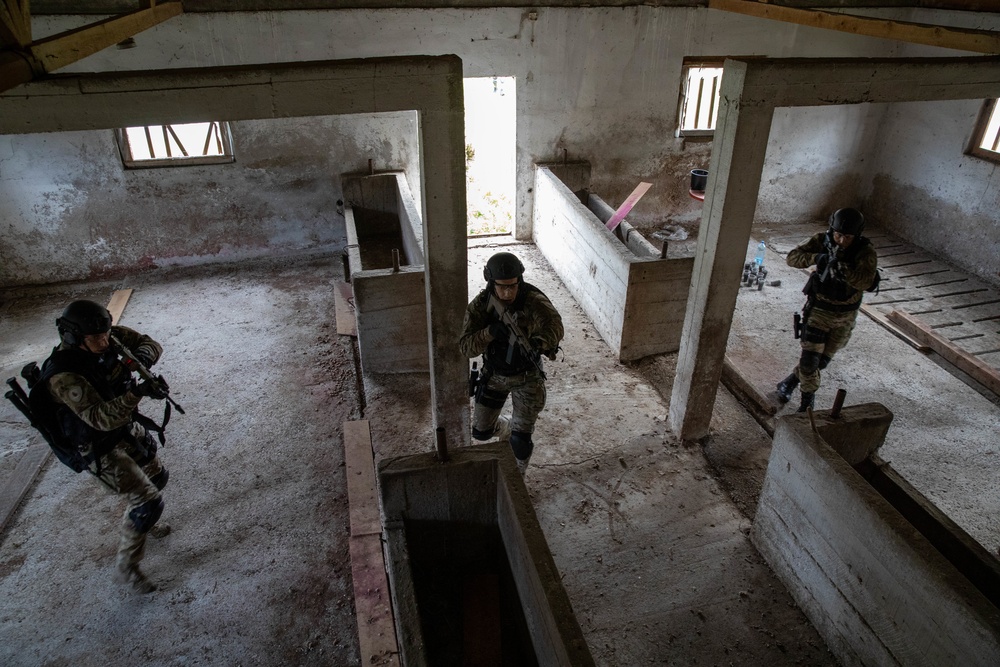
[
  {"x": 635, "y": 298},
  {"x": 876, "y": 585},
  {"x": 472, "y": 578},
  {"x": 386, "y": 264}
]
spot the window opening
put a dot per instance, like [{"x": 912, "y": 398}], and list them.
[
  {"x": 986, "y": 136},
  {"x": 176, "y": 144},
  {"x": 490, "y": 147},
  {"x": 700, "y": 97}
]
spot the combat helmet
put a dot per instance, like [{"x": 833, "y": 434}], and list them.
[
  {"x": 847, "y": 221},
  {"x": 503, "y": 266},
  {"x": 82, "y": 318}
]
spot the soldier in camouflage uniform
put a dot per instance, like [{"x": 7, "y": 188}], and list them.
[
  {"x": 508, "y": 370},
  {"x": 95, "y": 401},
  {"x": 846, "y": 266}
]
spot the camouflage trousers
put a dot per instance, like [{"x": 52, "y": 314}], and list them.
[
  {"x": 825, "y": 333},
  {"x": 527, "y": 392},
  {"x": 120, "y": 473}
]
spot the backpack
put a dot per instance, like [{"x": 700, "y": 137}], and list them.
[{"x": 61, "y": 429}]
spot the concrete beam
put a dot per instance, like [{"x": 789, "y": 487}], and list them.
[
  {"x": 432, "y": 86},
  {"x": 751, "y": 90}
]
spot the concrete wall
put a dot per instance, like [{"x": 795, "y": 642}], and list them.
[
  {"x": 875, "y": 588},
  {"x": 70, "y": 210},
  {"x": 636, "y": 302},
  {"x": 390, "y": 306},
  {"x": 601, "y": 84},
  {"x": 922, "y": 185},
  {"x": 480, "y": 486}
]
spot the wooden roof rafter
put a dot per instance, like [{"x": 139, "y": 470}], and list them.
[
  {"x": 15, "y": 23},
  {"x": 23, "y": 60},
  {"x": 962, "y": 39}
]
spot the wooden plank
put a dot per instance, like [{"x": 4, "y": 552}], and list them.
[
  {"x": 876, "y": 315},
  {"x": 967, "y": 363},
  {"x": 73, "y": 45},
  {"x": 372, "y": 603},
  {"x": 343, "y": 299},
  {"x": 117, "y": 304},
  {"x": 964, "y": 39},
  {"x": 12, "y": 33},
  {"x": 361, "y": 496},
  {"x": 16, "y": 486}
]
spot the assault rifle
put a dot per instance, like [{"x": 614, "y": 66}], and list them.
[
  {"x": 133, "y": 364},
  {"x": 517, "y": 337}
]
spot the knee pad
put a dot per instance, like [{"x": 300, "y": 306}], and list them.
[
  {"x": 146, "y": 515},
  {"x": 809, "y": 362},
  {"x": 521, "y": 444},
  {"x": 481, "y": 435},
  {"x": 824, "y": 361},
  {"x": 160, "y": 478}
]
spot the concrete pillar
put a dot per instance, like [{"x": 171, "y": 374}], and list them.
[
  {"x": 730, "y": 201},
  {"x": 432, "y": 86}
]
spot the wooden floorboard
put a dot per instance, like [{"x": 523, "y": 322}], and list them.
[{"x": 16, "y": 487}]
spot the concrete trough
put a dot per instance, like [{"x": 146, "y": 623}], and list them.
[
  {"x": 635, "y": 298},
  {"x": 386, "y": 264},
  {"x": 472, "y": 578},
  {"x": 880, "y": 589}
]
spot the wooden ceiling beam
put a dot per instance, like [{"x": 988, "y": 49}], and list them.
[
  {"x": 12, "y": 25},
  {"x": 19, "y": 66},
  {"x": 963, "y": 39}
]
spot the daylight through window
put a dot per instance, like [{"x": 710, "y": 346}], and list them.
[
  {"x": 177, "y": 144},
  {"x": 700, "y": 98},
  {"x": 989, "y": 137}
]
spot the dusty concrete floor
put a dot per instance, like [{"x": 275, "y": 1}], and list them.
[{"x": 649, "y": 534}]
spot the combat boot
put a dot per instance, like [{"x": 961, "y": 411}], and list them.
[
  {"x": 808, "y": 398},
  {"x": 786, "y": 387},
  {"x": 160, "y": 530},
  {"x": 133, "y": 575}
]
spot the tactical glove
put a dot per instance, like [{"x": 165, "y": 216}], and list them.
[
  {"x": 156, "y": 390},
  {"x": 145, "y": 357},
  {"x": 499, "y": 331},
  {"x": 822, "y": 261}
]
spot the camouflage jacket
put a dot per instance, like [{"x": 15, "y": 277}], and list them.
[
  {"x": 535, "y": 316},
  {"x": 850, "y": 275},
  {"x": 99, "y": 394}
]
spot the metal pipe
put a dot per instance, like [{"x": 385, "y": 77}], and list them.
[
  {"x": 663, "y": 250},
  {"x": 838, "y": 403},
  {"x": 395, "y": 260},
  {"x": 442, "y": 446}
]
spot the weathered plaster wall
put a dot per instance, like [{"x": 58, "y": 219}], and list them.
[
  {"x": 818, "y": 160},
  {"x": 923, "y": 186},
  {"x": 600, "y": 84},
  {"x": 70, "y": 210},
  {"x": 927, "y": 190}
]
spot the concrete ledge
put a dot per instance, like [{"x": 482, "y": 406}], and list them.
[
  {"x": 635, "y": 299},
  {"x": 877, "y": 590},
  {"x": 381, "y": 216},
  {"x": 478, "y": 489}
]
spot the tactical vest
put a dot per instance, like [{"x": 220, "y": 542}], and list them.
[{"x": 74, "y": 442}]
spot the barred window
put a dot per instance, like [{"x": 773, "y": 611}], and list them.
[
  {"x": 176, "y": 145},
  {"x": 700, "y": 96}
]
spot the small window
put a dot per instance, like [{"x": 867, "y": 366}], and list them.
[
  {"x": 986, "y": 137},
  {"x": 700, "y": 95},
  {"x": 176, "y": 145}
]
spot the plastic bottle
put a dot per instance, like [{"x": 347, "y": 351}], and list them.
[{"x": 758, "y": 258}]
